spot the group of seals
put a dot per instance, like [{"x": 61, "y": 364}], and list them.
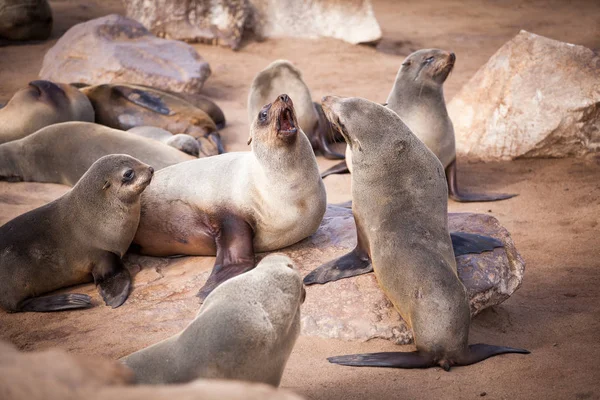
[
  {"x": 236, "y": 204},
  {"x": 400, "y": 201},
  {"x": 418, "y": 98},
  {"x": 282, "y": 76},
  {"x": 62, "y": 243},
  {"x": 245, "y": 330}
]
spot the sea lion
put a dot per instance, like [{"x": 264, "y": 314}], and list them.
[
  {"x": 40, "y": 104},
  {"x": 400, "y": 201},
  {"x": 235, "y": 204},
  {"x": 78, "y": 237},
  {"x": 181, "y": 141},
  {"x": 25, "y": 19},
  {"x": 125, "y": 106},
  {"x": 282, "y": 76},
  {"x": 62, "y": 153},
  {"x": 245, "y": 330}
]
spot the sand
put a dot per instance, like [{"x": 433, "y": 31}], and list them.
[{"x": 553, "y": 221}]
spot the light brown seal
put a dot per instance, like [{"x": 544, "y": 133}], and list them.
[
  {"x": 245, "y": 330},
  {"x": 77, "y": 238},
  {"x": 62, "y": 153},
  {"x": 181, "y": 141},
  {"x": 400, "y": 201},
  {"x": 235, "y": 204},
  {"x": 40, "y": 104}
]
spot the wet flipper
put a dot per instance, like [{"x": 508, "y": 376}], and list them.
[
  {"x": 340, "y": 168},
  {"x": 143, "y": 99},
  {"x": 480, "y": 351},
  {"x": 324, "y": 135},
  {"x": 456, "y": 195},
  {"x": 58, "y": 302},
  {"x": 471, "y": 243},
  {"x": 113, "y": 280},
  {"x": 397, "y": 359},
  {"x": 235, "y": 253}
]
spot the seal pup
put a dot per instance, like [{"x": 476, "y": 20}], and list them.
[
  {"x": 181, "y": 141},
  {"x": 282, "y": 76},
  {"x": 40, "y": 104},
  {"x": 235, "y": 204},
  {"x": 400, "y": 201},
  {"x": 125, "y": 106},
  {"x": 245, "y": 330},
  {"x": 77, "y": 238},
  {"x": 62, "y": 153}
]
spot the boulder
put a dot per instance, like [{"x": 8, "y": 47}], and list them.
[
  {"x": 536, "y": 97},
  {"x": 118, "y": 49}
]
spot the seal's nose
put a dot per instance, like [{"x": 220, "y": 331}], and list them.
[
  {"x": 284, "y": 97},
  {"x": 151, "y": 170},
  {"x": 452, "y": 57}
]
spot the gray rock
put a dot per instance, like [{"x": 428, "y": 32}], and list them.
[
  {"x": 536, "y": 97},
  {"x": 119, "y": 49}
]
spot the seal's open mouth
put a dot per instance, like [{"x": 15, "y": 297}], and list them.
[{"x": 285, "y": 124}]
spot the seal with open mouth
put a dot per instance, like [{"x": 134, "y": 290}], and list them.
[{"x": 236, "y": 204}]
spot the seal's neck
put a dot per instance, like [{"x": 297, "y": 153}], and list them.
[
  {"x": 406, "y": 96},
  {"x": 10, "y": 169}
]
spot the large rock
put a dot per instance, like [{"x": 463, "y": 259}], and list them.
[
  {"x": 119, "y": 49},
  {"x": 225, "y": 21},
  {"x": 536, "y": 97}
]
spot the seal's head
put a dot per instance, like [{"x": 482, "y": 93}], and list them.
[
  {"x": 276, "y": 124},
  {"x": 427, "y": 67}
]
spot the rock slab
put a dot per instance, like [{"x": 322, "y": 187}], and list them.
[
  {"x": 536, "y": 97},
  {"x": 118, "y": 49}
]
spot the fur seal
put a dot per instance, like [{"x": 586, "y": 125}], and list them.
[
  {"x": 400, "y": 201},
  {"x": 25, "y": 19},
  {"x": 62, "y": 153},
  {"x": 245, "y": 330},
  {"x": 125, "y": 106},
  {"x": 78, "y": 237},
  {"x": 238, "y": 203},
  {"x": 282, "y": 76},
  {"x": 181, "y": 141},
  {"x": 40, "y": 104}
]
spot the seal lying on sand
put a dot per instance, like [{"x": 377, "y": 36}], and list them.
[
  {"x": 125, "y": 106},
  {"x": 282, "y": 76},
  {"x": 235, "y": 204},
  {"x": 245, "y": 330},
  {"x": 62, "y": 153},
  {"x": 40, "y": 104},
  {"x": 25, "y": 19},
  {"x": 181, "y": 141},
  {"x": 400, "y": 205},
  {"x": 78, "y": 237}
]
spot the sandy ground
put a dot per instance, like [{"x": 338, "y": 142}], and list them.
[{"x": 554, "y": 220}]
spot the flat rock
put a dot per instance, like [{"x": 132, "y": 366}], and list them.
[
  {"x": 118, "y": 49},
  {"x": 536, "y": 97}
]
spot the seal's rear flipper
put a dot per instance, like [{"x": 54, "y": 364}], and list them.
[
  {"x": 390, "y": 359},
  {"x": 348, "y": 265},
  {"x": 340, "y": 168},
  {"x": 113, "y": 280},
  {"x": 471, "y": 243},
  {"x": 479, "y": 352},
  {"x": 58, "y": 302},
  {"x": 456, "y": 195}
]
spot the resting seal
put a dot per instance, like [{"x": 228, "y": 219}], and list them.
[
  {"x": 282, "y": 76},
  {"x": 181, "y": 141},
  {"x": 400, "y": 201},
  {"x": 40, "y": 104},
  {"x": 78, "y": 237},
  {"x": 62, "y": 153},
  {"x": 245, "y": 330},
  {"x": 25, "y": 19},
  {"x": 235, "y": 204},
  {"x": 125, "y": 106}
]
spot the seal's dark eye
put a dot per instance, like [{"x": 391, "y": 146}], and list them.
[
  {"x": 428, "y": 60},
  {"x": 262, "y": 115},
  {"x": 128, "y": 175}
]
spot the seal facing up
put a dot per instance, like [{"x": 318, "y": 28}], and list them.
[
  {"x": 282, "y": 76},
  {"x": 40, "y": 104},
  {"x": 77, "y": 238},
  {"x": 400, "y": 200},
  {"x": 235, "y": 204},
  {"x": 245, "y": 330},
  {"x": 62, "y": 153}
]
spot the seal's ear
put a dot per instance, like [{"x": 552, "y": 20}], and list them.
[
  {"x": 249, "y": 141},
  {"x": 106, "y": 185}
]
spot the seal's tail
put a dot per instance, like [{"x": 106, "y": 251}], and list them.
[
  {"x": 419, "y": 359},
  {"x": 58, "y": 302}
]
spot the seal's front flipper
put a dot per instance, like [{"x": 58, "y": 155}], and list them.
[
  {"x": 215, "y": 139},
  {"x": 142, "y": 98},
  {"x": 58, "y": 302},
  {"x": 413, "y": 359},
  {"x": 471, "y": 243},
  {"x": 479, "y": 352},
  {"x": 456, "y": 195},
  {"x": 113, "y": 280},
  {"x": 324, "y": 132},
  {"x": 235, "y": 253},
  {"x": 340, "y": 168}
]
